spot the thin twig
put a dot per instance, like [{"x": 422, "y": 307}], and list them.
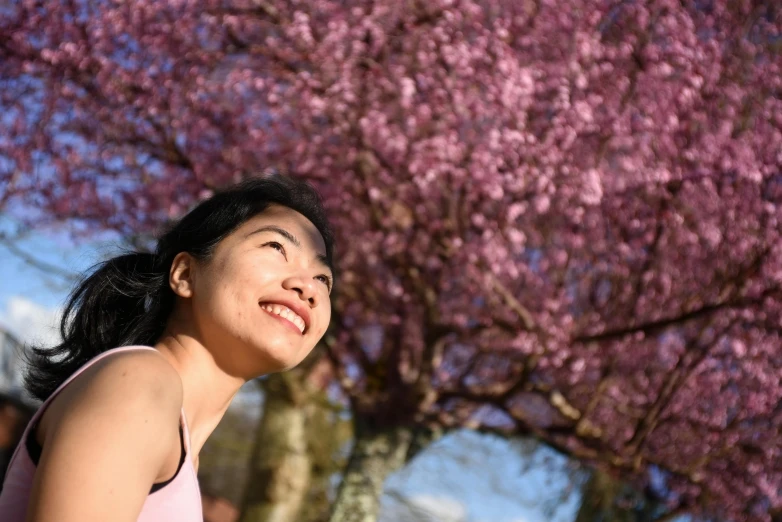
[{"x": 50, "y": 269}]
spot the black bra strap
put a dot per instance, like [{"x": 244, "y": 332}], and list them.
[{"x": 34, "y": 450}]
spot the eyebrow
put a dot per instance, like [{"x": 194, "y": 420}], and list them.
[{"x": 322, "y": 259}]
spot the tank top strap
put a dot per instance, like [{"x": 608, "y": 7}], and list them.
[
  {"x": 78, "y": 372},
  {"x": 185, "y": 431},
  {"x": 42, "y": 408}
]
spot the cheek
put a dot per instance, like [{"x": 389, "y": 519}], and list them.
[
  {"x": 242, "y": 281},
  {"x": 229, "y": 294},
  {"x": 325, "y": 320}
]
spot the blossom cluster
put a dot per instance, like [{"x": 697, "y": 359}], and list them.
[{"x": 556, "y": 220}]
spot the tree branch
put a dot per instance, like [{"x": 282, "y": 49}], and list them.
[
  {"x": 43, "y": 266},
  {"x": 654, "y": 327}
]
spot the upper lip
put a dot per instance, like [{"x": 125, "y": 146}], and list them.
[{"x": 297, "y": 308}]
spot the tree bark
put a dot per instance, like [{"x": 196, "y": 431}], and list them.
[
  {"x": 607, "y": 499},
  {"x": 328, "y": 433},
  {"x": 377, "y": 452},
  {"x": 280, "y": 467}
]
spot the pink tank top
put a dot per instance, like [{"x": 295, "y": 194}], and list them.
[{"x": 179, "y": 500}]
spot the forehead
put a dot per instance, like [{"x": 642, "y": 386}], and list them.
[{"x": 290, "y": 220}]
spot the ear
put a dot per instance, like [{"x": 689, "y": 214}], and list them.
[{"x": 180, "y": 277}]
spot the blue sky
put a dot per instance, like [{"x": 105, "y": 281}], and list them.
[
  {"x": 471, "y": 477},
  {"x": 30, "y": 297}
]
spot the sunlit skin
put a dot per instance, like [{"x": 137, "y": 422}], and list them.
[
  {"x": 223, "y": 331},
  {"x": 219, "y": 336}
]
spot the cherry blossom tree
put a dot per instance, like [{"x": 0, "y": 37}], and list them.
[{"x": 557, "y": 219}]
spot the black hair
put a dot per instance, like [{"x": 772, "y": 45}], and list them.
[{"x": 127, "y": 300}]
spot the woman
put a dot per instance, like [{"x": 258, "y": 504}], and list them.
[{"x": 156, "y": 346}]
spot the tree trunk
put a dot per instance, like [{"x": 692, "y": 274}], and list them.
[
  {"x": 328, "y": 433},
  {"x": 280, "y": 467},
  {"x": 607, "y": 499},
  {"x": 376, "y": 453}
]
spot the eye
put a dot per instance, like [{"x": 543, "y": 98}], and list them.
[
  {"x": 277, "y": 246},
  {"x": 326, "y": 280}
]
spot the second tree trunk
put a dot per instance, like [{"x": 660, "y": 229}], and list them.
[{"x": 376, "y": 453}]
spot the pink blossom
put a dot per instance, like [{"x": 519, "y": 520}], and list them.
[{"x": 589, "y": 197}]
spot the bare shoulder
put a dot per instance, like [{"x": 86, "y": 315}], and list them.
[
  {"x": 122, "y": 413},
  {"x": 146, "y": 372},
  {"x": 126, "y": 383}
]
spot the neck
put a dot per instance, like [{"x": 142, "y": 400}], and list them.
[{"x": 207, "y": 389}]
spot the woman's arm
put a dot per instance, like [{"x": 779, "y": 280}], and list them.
[{"x": 107, "y": 438}]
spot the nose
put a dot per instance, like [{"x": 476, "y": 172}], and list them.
[{"x": 303, "y": 286}]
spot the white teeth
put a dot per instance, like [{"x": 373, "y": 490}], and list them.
[{"x": 285, "y": 312}]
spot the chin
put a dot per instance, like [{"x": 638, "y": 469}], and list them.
[{"x": 283, "y": 359}]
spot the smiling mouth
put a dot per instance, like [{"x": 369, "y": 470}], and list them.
[{"x": 283, "y": 312}]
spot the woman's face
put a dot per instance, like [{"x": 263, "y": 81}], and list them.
[{"x": 261, "y": 303}]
